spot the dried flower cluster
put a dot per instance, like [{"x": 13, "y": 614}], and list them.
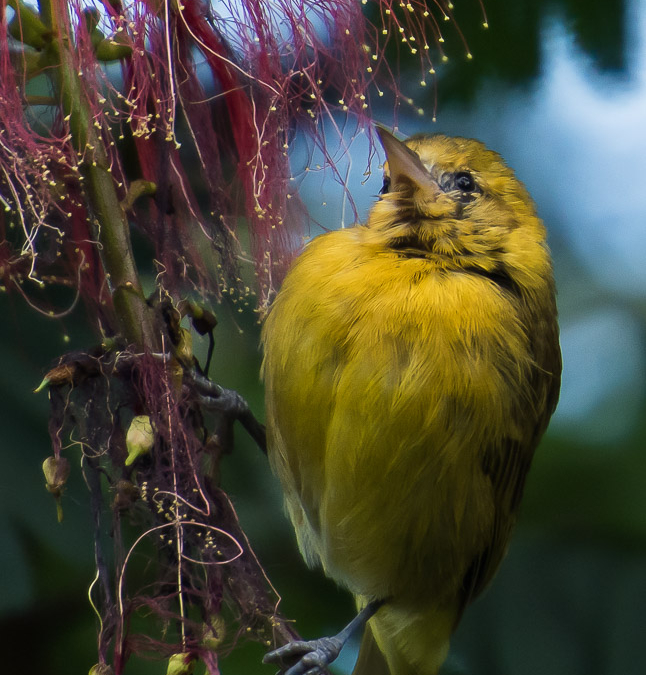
[{"x": 175, "y": 98}]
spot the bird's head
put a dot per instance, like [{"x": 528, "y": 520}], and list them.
[{"x": 456, "y": 203}]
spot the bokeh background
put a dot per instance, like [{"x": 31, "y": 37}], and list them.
[{"x": 559, "y": 89}]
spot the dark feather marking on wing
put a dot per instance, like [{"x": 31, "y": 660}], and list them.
[{"x": 508, "y": 463}]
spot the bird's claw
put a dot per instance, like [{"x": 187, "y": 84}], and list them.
[
  {"x": 305, "y": 657},
  {"x": 214, "y": 397}
]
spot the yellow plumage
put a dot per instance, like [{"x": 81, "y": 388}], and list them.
[{"x": 411, "y": 366}]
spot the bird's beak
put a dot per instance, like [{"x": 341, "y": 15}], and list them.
[{"x": 405, "y": 167}]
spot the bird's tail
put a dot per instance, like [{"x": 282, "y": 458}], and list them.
[
  {"x": 398, "y": 641},
  {"x": 371, "y": 660}
]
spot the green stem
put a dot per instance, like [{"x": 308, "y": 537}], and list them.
[{"x": 133, "y": 315}]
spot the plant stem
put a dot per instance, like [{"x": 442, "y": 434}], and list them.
[{"x": 133, "y": 315}]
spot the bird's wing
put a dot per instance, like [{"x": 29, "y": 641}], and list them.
[{"x": 507, "y": 464}]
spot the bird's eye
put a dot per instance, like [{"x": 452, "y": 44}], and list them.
[
  {"x": 386, "y": 186},
  {"x": 464, "y": 181}
]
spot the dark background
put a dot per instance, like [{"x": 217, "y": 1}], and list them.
[{"x": 559, "y": 89}]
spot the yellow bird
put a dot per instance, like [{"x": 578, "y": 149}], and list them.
[{"x": 412, "y": 364}]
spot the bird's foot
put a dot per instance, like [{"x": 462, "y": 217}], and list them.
[
  {"x": 214, "y": 397},
  {"x": 312, "y": 657},
  {"x": 309, "y": 657}
]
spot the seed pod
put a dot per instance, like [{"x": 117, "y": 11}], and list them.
[
  {"x": 101, "y": 669},
  {"x": 57, "y": 471},
  {"x": 139, "y": 439},
  {"x": 181, "y": 664}
]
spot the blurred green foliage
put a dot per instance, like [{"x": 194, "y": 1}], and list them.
[{"x": 509, "y": 51}]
